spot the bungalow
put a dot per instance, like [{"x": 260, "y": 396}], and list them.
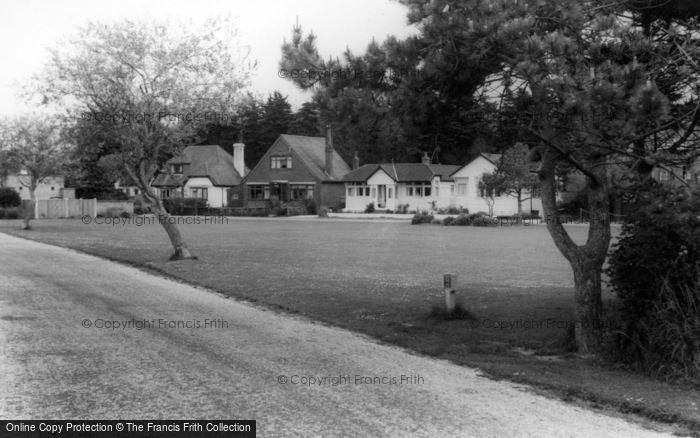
[
  {"x": 469, "y": 195},
  {"x": 205, "y": 172},
  {"x": 295, "y": 168},
  {"x": 421, "y": 186},
  {"x": 426, "y": 186}
]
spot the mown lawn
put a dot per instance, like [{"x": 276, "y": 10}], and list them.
[{"x": 384, "y": 278}]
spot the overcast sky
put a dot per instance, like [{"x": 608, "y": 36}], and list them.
[{"x": 28, "y": 27}]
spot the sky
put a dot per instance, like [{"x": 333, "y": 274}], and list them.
[{"x": 29, "y": 27}]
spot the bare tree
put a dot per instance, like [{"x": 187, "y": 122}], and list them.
[
  {"x": 150, "y": 86},
  {"x": 35, "y": 150}
]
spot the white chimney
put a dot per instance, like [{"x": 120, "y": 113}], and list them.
[{"x": 238, "y": 162}]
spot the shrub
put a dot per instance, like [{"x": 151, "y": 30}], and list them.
[
  {"x": 482, "y": 219},
  {"x": 422, "y": 217},
  {"x": 323, "y": 212},
  {"x": 9, "y": 213},
  {"x": 125, "y": 214},
  {"x": 369, "y": 208},
  {"x": 436, "y": 222},
  {"x": 102, "y": 193},
  {"x": 114, "y": 212},
  {"x": 9, "y": 198},
  {"x": 654, "y": 268},
  {"x": 462, "y": 220},
  {"x": 177, "y": 205},
  {"x": 310, "y": 206},
  {"x": 141, "y": 209},
  {"x": 453, "y": 210},
  {"x": 449, "y": 220},
  {"x": 402, "y": 208}
]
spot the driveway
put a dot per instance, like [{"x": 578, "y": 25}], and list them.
[{"x": 85, "y": 338}]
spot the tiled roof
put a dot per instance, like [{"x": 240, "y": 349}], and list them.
[
  {"x": 312, "y": 150},
  {"x": 209, "y": 161},
  {"x": 494, "y": 158},
  {"x": 404, "y": 172}
]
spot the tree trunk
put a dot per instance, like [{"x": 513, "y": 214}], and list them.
[
  {"x": 29, "y": 209},
  {"x": 586, "y": 260},
  {"x": 588, "y": 306},
  {"x": 169, "y": 223}
]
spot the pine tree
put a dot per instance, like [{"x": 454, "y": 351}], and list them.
[
  {"x": 306, "y": 120},
  {"x": 276, "y": 118}
]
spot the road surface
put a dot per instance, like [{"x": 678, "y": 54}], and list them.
[{"x": 85, "y": 338}]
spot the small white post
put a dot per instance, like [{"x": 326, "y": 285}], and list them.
[{"x": 449, "y": 285}]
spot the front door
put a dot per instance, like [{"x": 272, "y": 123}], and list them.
[
  {"x": 381, "y": 196},
  {"x": 279, "y": 190}
]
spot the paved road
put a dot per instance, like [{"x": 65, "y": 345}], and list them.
[{"x": 248, "y": 364}]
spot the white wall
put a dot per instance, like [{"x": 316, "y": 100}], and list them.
[
  {"x": 399, "y": 194},
  {"x": 503, "y": 205},
  {"x": 216, "y": 195},
  {"x": 43, "y": 190}
]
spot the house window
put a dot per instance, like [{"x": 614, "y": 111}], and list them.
[
  {"x": 390, "y": 193},
  {"x": 302, "y": 191},
  {"x": 200, "y": 192},
  {"x": 176, "y": 169},
  {"x": 359, "y": 188},
  {"x": 167, "y": 193},
  {"x": 281, "y": 162},
  {"x": 419, "y": 190},
  {"x": 462, "y": 189},
  {"x": 258, "y": 192},
  {"x": 437, "y": 191},
  {"x": 374, "y": 192}
]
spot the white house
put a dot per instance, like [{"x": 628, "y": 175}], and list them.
[
  {"x": 49, "y": 187},
  {"x": 468, "y": 195},
  {"x": 425, "y": 186},
  {"x": 205, "y": 172}
]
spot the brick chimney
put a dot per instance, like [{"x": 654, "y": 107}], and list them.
[
  {"x": 238, "y": 161},
  {"x": 425, "y": 159},
  {"x": 356, "y": 162},
  {"x": 329, "y": 150}
]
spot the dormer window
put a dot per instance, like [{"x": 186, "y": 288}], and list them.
[
  {"x": 176, "y": 169},
  {"x": 280, "y": 162}
]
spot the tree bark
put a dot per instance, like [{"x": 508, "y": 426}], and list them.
[
  {"x": 29, "y": 208},
  {"x": 588, "y": 306},
  {"x": 520, "y": 202},
  {"x": 586, "y": 260},
  {"x": 169, "y": 225}
]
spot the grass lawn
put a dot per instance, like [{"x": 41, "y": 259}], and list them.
[{"x": 383, "y": 279}]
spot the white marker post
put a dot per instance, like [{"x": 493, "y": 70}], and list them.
[{"x": 449, "y": 284}]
